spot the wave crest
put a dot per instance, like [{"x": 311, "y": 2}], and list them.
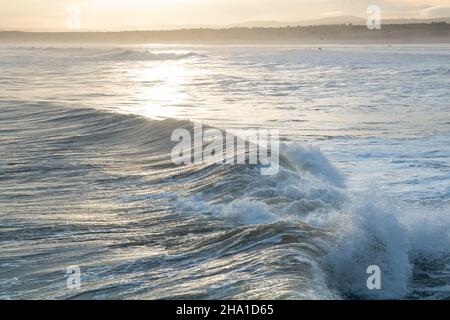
[{"x": 121, "y": 54}]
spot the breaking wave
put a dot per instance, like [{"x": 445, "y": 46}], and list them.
[{"x": 301, "y": 230}]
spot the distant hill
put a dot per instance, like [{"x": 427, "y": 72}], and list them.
[
  {"x": 331, "y": 21},
  {"x": 315, "y": 22},
  {"x": 338, "y": 20}
]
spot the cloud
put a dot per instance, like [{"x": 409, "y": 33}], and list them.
[
  {"x": 436, "y": 12},
  {"x": 144, "y": 14}
]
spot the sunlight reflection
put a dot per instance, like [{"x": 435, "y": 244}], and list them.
[{"x": 160, "y": 89}]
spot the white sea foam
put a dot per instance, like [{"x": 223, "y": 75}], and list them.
[{"x": 366, "y": 228}]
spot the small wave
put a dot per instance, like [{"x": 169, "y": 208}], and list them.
[{"x": 121, "y": 54}]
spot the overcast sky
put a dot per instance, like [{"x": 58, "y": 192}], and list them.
[{"x": 125, "y": 14}]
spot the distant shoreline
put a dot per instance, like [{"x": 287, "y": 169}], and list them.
[{"x": 327, "y": 34}]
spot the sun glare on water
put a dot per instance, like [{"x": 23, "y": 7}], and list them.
[{"x": 159, "y": 89}]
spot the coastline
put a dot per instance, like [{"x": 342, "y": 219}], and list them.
[{"x": 333, "y": 34}]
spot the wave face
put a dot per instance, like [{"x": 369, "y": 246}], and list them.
[{"x": 95, "y": 187}]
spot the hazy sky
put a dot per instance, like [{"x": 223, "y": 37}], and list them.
[{"x": 126, "y": 14}]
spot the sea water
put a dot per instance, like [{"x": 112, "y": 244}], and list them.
[{"x": 87, "y": 178}]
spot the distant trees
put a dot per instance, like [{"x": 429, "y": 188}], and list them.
[{"x": 413, "y": 32}]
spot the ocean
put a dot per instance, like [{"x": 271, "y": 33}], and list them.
[{"x": 87, "y": 178}]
